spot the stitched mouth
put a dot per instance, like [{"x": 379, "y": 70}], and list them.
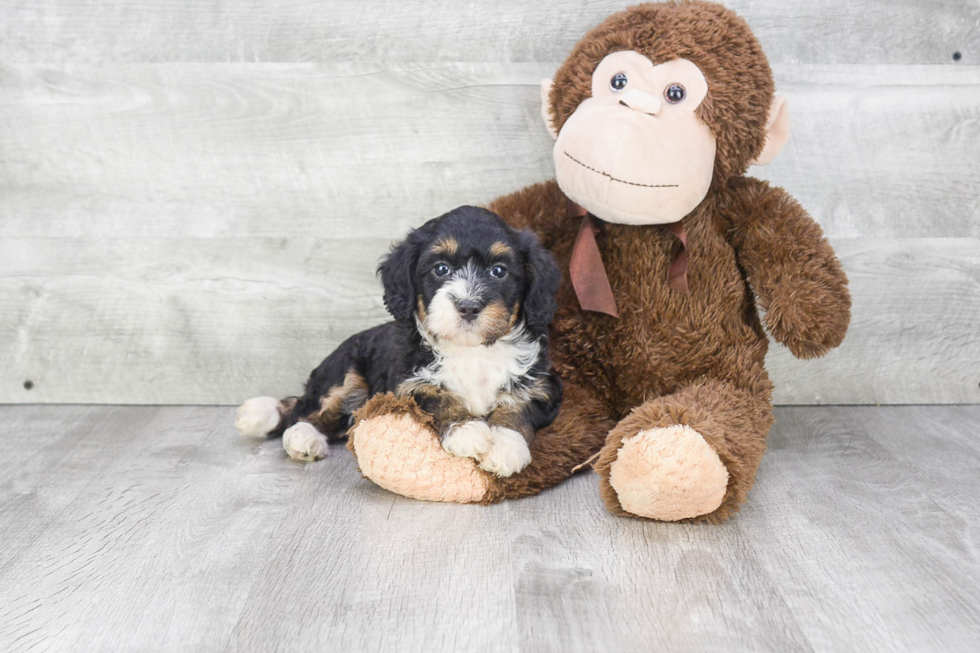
[{"x": 622, "y": 181}]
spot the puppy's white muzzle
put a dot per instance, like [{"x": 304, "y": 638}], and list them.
[{"x": 454, "y": 311}]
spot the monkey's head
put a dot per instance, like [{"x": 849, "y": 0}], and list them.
[{"x": 657, "y": 105}]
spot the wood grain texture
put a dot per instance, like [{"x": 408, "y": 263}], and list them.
[
  {"x": 883, "y": 151},
  {"x": 913, "y": 336},
  {"x": 366, "y": 150},
  {"x": 214, "y": 321},
  {"x": 144, "y": 321},
  {"x": 820, "y": 31},
  {"x": 178, "y": 320},
  {"x": 158, "y": 529},
  {"x": 193, "y": 195}
]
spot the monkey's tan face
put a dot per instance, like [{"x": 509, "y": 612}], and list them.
[{"x": 636, "y": 152}]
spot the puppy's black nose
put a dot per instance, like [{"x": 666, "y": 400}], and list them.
[{"x": 469, "y": 309}]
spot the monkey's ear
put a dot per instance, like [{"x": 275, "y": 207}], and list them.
[
  {"x": 549, "y": 120},
  {"x": 777, "y": 131},
  {"x": 397, "y": 272}
]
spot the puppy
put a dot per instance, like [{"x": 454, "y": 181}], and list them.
[{"x": 472, "y": 300}]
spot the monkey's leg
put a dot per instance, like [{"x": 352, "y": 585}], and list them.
[
  {"x": 691, "y": 455},
  {"x": 397, "y": 447}
]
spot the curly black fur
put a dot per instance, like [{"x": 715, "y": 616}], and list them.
[{"x": 382, "y": 358}]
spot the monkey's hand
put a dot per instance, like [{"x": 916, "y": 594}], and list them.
[
  {"x": 792, "y": 269},
  {"x": 808, "y": 315}
]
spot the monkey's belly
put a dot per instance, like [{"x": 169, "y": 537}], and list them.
[
  {"x": 646, "y": 354},
  {"x": 663, "y": 340}
]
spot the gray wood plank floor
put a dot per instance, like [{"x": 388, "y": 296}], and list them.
[{"x": 157, "y": 529}]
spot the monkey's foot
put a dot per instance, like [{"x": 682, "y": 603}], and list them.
[
  {"x": 669, "y": 474},
  {"x": 397, "y": 448}
]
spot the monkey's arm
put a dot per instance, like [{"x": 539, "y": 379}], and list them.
[
  {"x": 791, "y": 267},
  {"x": 540, "y": 208}
]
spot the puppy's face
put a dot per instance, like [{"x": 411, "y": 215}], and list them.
[
  {"x": 472, "y": 278},
  {"x": 470, "y": 283}
]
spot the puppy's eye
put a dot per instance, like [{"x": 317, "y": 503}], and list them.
[
  {"x": 498, "y": 272},
  {"x": 441, "y": 269},
  {"x": 618, "y": 82},
  {"x": 675, "y": 93}
]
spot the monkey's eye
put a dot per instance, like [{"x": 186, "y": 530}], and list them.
[
  {"x": 441, "y": 269},
  {"x": 618, "y": 82},
  {"x": 675, "y": 93},
  {"x": 498, "y": 272}
]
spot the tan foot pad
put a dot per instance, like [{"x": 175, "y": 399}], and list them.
[
  {"x": 405, "y": 457},
  {"x": 668, "y": 474}
]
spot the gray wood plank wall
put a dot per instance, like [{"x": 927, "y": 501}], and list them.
[{"x": 193, "y": 195}]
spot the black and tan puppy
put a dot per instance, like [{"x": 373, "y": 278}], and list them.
[{"x": 472, "y": 299}]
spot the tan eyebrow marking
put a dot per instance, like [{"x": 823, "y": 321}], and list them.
[
  {"x": 499, "y": 249},
  {"x": 447, "y": 245}
]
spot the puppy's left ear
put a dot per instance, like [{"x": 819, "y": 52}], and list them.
[
  {"x": 541, "y": 280},
  {"x": 397, "y": 272}
]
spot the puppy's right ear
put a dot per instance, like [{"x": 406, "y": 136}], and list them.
[{"x": 397, "y": 272}]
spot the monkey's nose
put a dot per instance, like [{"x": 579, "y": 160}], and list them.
[
  {"x": 641, "y": 101},
  {"x": 469, "y": 309}
]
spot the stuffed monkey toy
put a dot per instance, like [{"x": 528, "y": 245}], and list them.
[{"x": 668, "y": 251}]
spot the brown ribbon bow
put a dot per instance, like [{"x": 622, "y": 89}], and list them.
[{"x": 588, "y": 274}]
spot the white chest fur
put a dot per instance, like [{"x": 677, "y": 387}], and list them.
[{"x": 479, "y": 374}]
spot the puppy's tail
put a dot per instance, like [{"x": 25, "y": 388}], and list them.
[{"x": 260, "y": 417}]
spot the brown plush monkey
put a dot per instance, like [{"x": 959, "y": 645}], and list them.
[{"x": 668, "y": 248}]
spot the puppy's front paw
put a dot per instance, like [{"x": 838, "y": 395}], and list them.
[
  {"x": 304, "y": 443},
  {"x": 467, "y": 440},
  {"x": 258, "y": 417},
  {"x": 508, "y": 452}
]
